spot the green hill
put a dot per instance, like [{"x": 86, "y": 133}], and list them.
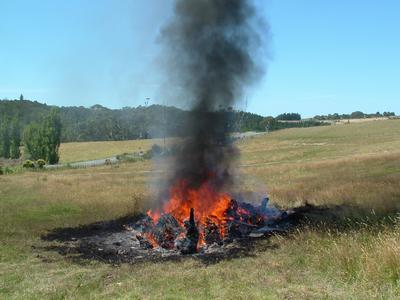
[{"x": 99, "y": 123}]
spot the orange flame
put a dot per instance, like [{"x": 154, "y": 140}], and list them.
[
  {"x": 151, "y": 239},
  {"x": 211, "y": 208},
  {"x": 205, "y": 201}
]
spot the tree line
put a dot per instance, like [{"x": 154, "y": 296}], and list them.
[
  {"x": 41, "y": 128},
  {"x": 99, "y": 123},
  {"x": 354, "y": 115},
  {"x": 10, "y": 137},
  {"x": 289, "y": 117},
  {"x": 41, "y": 139}
]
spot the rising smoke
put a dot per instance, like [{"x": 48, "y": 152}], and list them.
[{"x": 212, "y": 49}]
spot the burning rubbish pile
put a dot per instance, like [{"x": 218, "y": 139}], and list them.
[
  {"x": 194, "y": 220},
  {"x": 225, "y": 231},
  {"x": 199, "y": 221},
  {"x": 238, "y": 220},
  {"x": 235, "y": 234}
]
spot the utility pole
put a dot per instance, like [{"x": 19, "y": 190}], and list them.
[{"x": 146, "y": 102}]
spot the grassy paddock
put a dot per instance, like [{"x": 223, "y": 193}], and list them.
[
  {"x": 354, "y": 257},
  {"x": 72, "y": 152}
]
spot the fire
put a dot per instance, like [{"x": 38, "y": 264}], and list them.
[
  {"x": 151, "y": 239},
  {"x": 205, "y": 201},
  {"x": 202, "y": 215},
  {"x": 208, "y": 204}
]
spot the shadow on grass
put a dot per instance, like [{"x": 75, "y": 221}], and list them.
[{"x": 110, "y": 242}]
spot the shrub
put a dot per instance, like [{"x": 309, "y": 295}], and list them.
[
  {"x": 8, "y": 170},
  {"x": 148, "y": 154},
  {"x": 40, "y": 163},
  {"x": 28, "y": 164},
  {"x": 1, "y": 170},
  {"x": 126, "y": 157}
]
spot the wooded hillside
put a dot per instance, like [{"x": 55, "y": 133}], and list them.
[{"x": 99, "y": 123}]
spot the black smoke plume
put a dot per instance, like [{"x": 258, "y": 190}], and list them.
[{"x": 212, "y": 49}]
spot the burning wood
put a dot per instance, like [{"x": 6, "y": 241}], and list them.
[
  {"x": 130, "y": 240},
  {"x": 212, "y": 233},
  {"x": 166, "y": 231},
  {"x": 188, "y": 244},
  {"x": 237, "y": 220},
  {"x": 144, "y": 243}
]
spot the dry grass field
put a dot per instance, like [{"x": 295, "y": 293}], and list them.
[
  {"x": 355, "y": 255},
  {"x": 73, "y": 152}
]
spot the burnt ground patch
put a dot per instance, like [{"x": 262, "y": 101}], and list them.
[{"x": 111, "y": 241}]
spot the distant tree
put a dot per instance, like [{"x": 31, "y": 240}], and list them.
[
  {"x": 5, "y": 137},
  {"x": 345, "y": 116},
  {"x": 357, "y": 115},
  {"x": 52, "y": 129},
  {"x": 15, "y": 139},
  {"x": 269, "y": 123},
  {"x": 318, "y": 117},
  {"x": 388, "y": 114},
  {"x": 354, "y": 115},
  {"x": 42, "y": 140},
  {"x": 289, "y": 117},
  {"x": 33, "y": 142},
  {"x": 21, "y": 97}
]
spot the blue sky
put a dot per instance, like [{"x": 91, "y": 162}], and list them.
[{"x": 326, "y": 56}]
